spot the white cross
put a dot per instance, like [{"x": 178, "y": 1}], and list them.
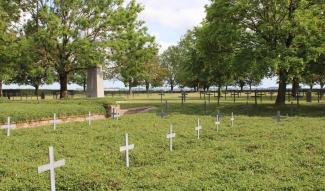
[
  {"x": 232, "y": 119},
  {"x": 217, "y": 122},
  {"x": 114, "y": 114},
  {"x": 55, "y": 121},
  {"x": 51, "y": 167},
  {"x": 8, "y": 126},
  {"x": 198, "y": 128},
  {"x": 126, "y": 149},
  {"x": 278, "y": 116},
  {"x": 89, "y": 118},
  {"x": 170, "y": 136}
]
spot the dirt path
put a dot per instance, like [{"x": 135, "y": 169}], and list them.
[{"x": 80, "y": 118}]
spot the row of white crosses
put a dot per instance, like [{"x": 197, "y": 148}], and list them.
[
  {"x": 171, "y": 135},
  {"x": 126, "y": 148},
  {"x": 218, "y": 121},
  {"x": 55, "y": 122}
]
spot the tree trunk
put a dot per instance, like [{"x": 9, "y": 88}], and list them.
[
  {"x": 295, "y": 86},
  {"x": 219, "y": 94},
  {"x": 63, "y": 77},
  {"x": 36, "y": 91},
  {"x": 1, "y": 93},
  {"x": 130, "y": 87},
  {"x": 321, "y": 90},
  {"x": 85, "y": 84},
  {"x": 147, "y": 87},
  {"x": 281, "y": 97},
  {"x": 171, "y": 86}
]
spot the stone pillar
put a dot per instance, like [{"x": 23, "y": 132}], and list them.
[
  {"x": 95, "y": 87},
  {"x": 309, "y": 96}
]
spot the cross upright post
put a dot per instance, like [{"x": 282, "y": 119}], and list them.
[
  {"x": 161, "y": 96},
  {"x": 217, "y": 122},
  {"x": 232, "y": 119},
  {"x": 170, "y": 136},
  {"x": 51, "y": 167},
  {"x": 89, "y": 118},
  {"x": 8, "y": 126},
  {"x": 126, "y": 149},
  {"x": 114, "y": 114},
  {"x": 55, "y": 121},
  {"x": 198, "y": 128}
]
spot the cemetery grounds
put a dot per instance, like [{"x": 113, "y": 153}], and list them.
[{"x": 257, "y": 153}]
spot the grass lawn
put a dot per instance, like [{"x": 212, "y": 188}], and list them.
[
  {"x": 32, "y": 110},
  {"x": 256, "y": 154}
]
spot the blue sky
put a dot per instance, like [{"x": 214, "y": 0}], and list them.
[{"x": 168, "y": 21}]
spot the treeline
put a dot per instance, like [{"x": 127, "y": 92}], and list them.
[
  {"x": 240, "y": 42},
  {"x": 46, "y": 41}
]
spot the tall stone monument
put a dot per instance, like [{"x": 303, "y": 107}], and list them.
[{"x": 95, "y": 86}]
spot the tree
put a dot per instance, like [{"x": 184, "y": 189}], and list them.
[
  {"x": 155, "y": 73},
  {"x": 80, "y": 78},
  {"x": 277, "y": 29},
  {"x": 33, "y": 64},
  {"x": 170, "y": 59},
  {"x": 77, "y": 34},
  {"x": 8, "y": 14},
  {"x": 217, "y": 40},
  {"x": 133, "y": 48}
]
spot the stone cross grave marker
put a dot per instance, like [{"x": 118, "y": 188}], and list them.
[
  {"x": 115, "y": 114},
  {"x": 163, "y": 114},
  {"x": 278, "y": 116},
  {"x": 166, "y": 105},
  {"x": 235, "y": 94},
  {"x": 260, "y": 95},
  {"x": 183, "y": 97},
  {"x": 198, "y": 128},
  {"x": 161, "y": 96},
  {"x": 126, "y": 149},
  {"x": 217, "y": 122},
  {"x": 51, "y": 167},
  {"x": 89, "y": 119},
  {"x": 247, "y": 96},
  {"x": 232, "y": 119},
  {"x": 55, "y": 121},
  {"x": 170, "y": 136},
  {"x": 8, "y": 126},
  {"x": 209, "y": 94}
]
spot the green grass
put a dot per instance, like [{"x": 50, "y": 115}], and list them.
[
  {"x": 256, "y": 154},
  {"x": 33, "y": 110}
]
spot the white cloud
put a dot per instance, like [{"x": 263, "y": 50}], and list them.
[
  {"x": 178, "y": 15},
  {"x": 165, "y": 45}
]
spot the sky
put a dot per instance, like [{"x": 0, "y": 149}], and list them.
[{"x": 168, "y": 21}]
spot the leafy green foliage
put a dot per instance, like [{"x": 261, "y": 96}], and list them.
[{"x": 134, "y": 48}]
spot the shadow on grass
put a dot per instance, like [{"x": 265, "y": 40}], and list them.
[{"x": 260, "y": 110}]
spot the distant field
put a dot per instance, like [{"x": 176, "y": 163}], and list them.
[
  {"x": 256, "y": 154},
  {"x": 33, "y": 109}
]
